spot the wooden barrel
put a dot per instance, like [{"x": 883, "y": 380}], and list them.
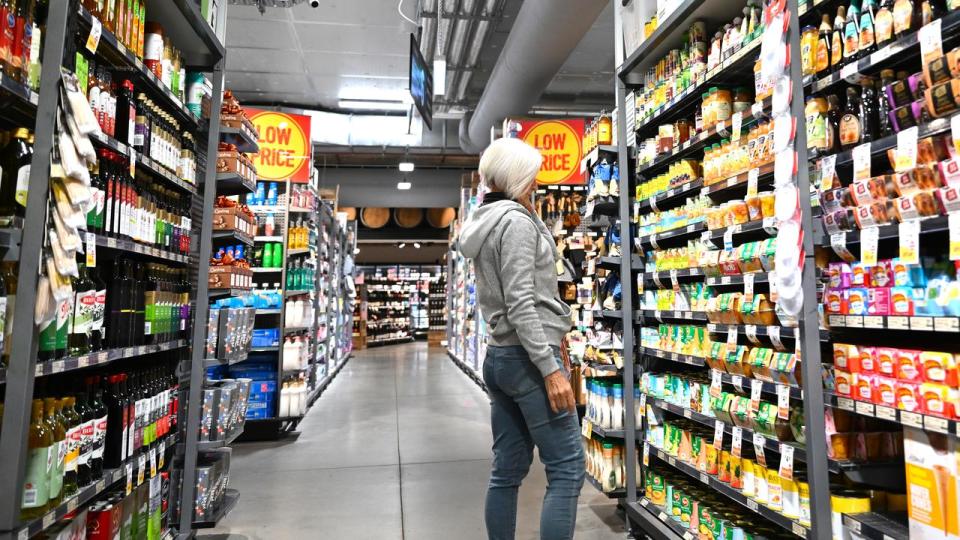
[
  {"x": 440, "y": 218},
  {"x": 350, "y": 211},
  {"x": 407, "y": 218},
  {"x": 375, "y": 218}
]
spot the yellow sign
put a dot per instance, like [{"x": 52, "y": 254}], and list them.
[
  {"x": 285, "y": 145},
  {"x": 560, "y": 143}
]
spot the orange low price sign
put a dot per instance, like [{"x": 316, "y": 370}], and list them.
[
  {"x": 286, "y": 149},
  {"x": 561, "y": 143}
]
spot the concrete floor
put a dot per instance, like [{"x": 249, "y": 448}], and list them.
[{"x": 397, "y": 448}]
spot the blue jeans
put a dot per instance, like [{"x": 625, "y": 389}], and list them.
[{"x": 521, "y": 418}]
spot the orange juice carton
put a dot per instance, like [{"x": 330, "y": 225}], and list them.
[
  {"x": 844, "y": 382},
  {"x": 863, "y": 387},
  {"x": 931, "y": 471},
  {"x": 885, "y": 391},
  {"x": 908, "y": 397},
  {"x": 886, "y": 361},
  {"x": 909, "y": 368},
  {"x": 939, "y": 367}
]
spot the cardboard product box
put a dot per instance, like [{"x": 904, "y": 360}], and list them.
[
  {"x": 232, "y": 120},
  {"x": 931, "y": 471},
  {"x": 228, "y": 277},
  {"x": 232, "y": 219}
]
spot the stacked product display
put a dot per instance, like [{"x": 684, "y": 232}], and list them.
[
  {"x": 793, "y": 297},
  {"x": 465, "y": 328},
  {"x": 338, "y": 295},
  {"x": 105, "y": 149},
  {"x": 398, "y": 301},
  {"x": 437, "y": 311}
]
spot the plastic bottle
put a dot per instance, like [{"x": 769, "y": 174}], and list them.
[
  {"x": 616, "y": 411},
  {"x": 272, "y": 194}
]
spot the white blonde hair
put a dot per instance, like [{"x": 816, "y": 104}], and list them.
[{"x": 510, "y": 165}]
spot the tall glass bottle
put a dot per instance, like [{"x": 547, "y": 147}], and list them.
[
  {"x": 58, "y": 450},
  {"x": 851, "y": 32},
  {"x": 868, "y": 111},
  {"x": 84, "y": 311},
  {"x": 99, "y": 429},
  {"x": 883, "y": 23},
  {"x": 98, "y": 324},
  {"x": 72, "y": 423},
  {"x": 868, "y": 40},
  {"x": 36, "y": 478},
  {"x": 884, "y": 126},
  {"x": 14, "y": 183},
  {"x": 86, "y": 413}
]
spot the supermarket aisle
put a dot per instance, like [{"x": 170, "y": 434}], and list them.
[{"x": 397, "y": 448}]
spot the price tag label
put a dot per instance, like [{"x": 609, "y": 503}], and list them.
[
  {"x": 911, "y": 419},
  {"x": 783, "y": 402},
  {"x": 931, "y": 41},
  {"x": 161, "y": 454},
  {"x": 718, "y": 435},
  {"x": 953, "y": 219},
  {"x": 732, "y": 336},
  {"x": 753, "y": 182},
  {"x": 756, "y": 388},
  {"x": 721, "y": 127},
  {"x": 141, "y": 468},
  {"x": 772, "y": 281},
  {"x": 128, "y": 469},
  {"x": 737, "y": 441},
  {"x": 828, "y": 171},
  {"x": 861, "y": 162},
  {"x": 848, "y": 70},
  {"x": 786, "y": 461},
  {"x": 715, "y": 383},
  {"x": 646, "y": 455},
  {"x": 91, "y": 249},
  {"x": 737, "y": 381},
  {"x": 886, "y": 413},
  {"x": 838, "y": 241},
  {"x": 737, "y": 125},
  {"x": 133, "y": 164},
  {"x": 751, "y": 331},
  {"x": 673, "y": 281},
  {"x": 586, "y": 429},
  {"x": 93, "y": 40},
  {"x": 774, "y": 333},
  {"x": 869, "y": 240},
  {"x": 758, "y": 443},
  {"x": 910, "y": 242},
  {"x": 905, "y": 155},
  {"x": 748, "y": 287},
  {"x": 728, "y": 239}
]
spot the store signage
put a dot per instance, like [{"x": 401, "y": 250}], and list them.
[
  {"x": 286, "y": 149},
  {"x": 561, "y": 143}
]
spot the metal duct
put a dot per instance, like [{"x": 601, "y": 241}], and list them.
[{"x": 542, "y": 38}]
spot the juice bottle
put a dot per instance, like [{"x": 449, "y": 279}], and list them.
[{"x": 36, "y": 478}]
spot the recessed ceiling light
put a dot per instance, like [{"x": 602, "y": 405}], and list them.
[
  {"x": 402, "y": 245},
  {"x": 416, "y": 245},
  {"x": 406, "y": 166},
  {"x": 404, "y": 185}
]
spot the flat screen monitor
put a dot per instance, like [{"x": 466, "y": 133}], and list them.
[{"x": 421, "y": 83}]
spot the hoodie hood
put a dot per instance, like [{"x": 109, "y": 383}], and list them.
[{"x": 482, "y": 222}]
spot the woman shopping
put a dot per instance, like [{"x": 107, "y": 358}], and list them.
[{"x": 532, "y": 402}]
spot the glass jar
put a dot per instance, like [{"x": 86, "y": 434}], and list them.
[
  {"x": 742, "y": 100},
  {"x": 808, "y": 50}
]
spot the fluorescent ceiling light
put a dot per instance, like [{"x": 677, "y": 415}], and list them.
[
  {"x": 402, "y": 245},
  {"x": 416, "y": 245},
  {"x": 404, "y": 185},
  {"x": 372, "y": 105},
  {"x": 406, "y": 166},
  {"x": 439, "y": 77}
]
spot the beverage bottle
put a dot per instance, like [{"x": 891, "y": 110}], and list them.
[
  {"x": 883, "y": 23},
  {"x": 97, "y": 327},
  {"x": 99, "y": 428},
  {"x": 868, "y": 41},
  {"x": 36, "y": 478},
  {"x": 139, "y": 304},
  {"x": 868, "y": 111},
  {"x": 267, "y": 260},
  {"x": 84, "y": 312},
  {"x": 851, "y": 32},
  {"x": 73, "y": 425},
  {"x": 836, "y": 39},
  {"x": 115, "y": 449},
  {"x": 277, "y": 256},
  {"x": 850, "y": 127},
  {"x": 884, "y": 126},
  {"x": 58, "y": 451},
  {"x": 84, "y": 475},
  {"x": 15, "y": 180}
]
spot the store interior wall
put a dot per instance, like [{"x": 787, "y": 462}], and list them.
[
  {"x": 378, "y": 187},
  {"x": 377, "y": 253}
]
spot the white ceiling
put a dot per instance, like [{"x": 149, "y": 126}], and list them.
[{"x": 313, "y": 57}]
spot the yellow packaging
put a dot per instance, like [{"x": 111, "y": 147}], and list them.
[
  {"x": 711, "y": 461},
  {"x": 791, "y": 498},
  {"x": 774, "y": 490},
  {"x": 760, "y": 484},
  {"x": 849, "y": 502},
  {"x": 749, "y": 487},
  {"x": 804, "y": 489},
  {"x": 931, "y": 468}
]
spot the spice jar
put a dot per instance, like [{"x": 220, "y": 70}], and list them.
[
  {"x": 742, "y": 100},
  {"x": 153, "y": 48}
]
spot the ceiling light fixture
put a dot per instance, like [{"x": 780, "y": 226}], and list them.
[
  {"x": 403, "y": 185},
  {"x": 416, "y": 245},
  {"x": 439, "y": 76},
  {"x": 372, "y": 105},
  {"x": 406, "y": 166},
  {"x": 402, "y": 245}
]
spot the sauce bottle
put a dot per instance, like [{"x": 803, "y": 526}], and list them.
[
  {"x": 15, "y": 163},
  {"x": 822, "y": 57},
  {"x": 836, "y": 39},
  {"x": 36, "y": 480},
  {"x": 72, "y": 423},
  {"x": 99, "y": 428},
  {"x": 884, "y": 127},
  {"x": 883, "y": 23},
  {"x": 57, "y": 451},
  {"x": 903, "y": 14},
  {"x": 851, "y": 32},
  {"x": 86, "y": 439},
  {"x": 868, "y": 111},
  {"x": 850, "y": 129},
  {"x": 868, "y": 42}
]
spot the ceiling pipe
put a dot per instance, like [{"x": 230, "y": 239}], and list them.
[
  {"x": 541, "y": 40},
  {"x": 473, "y": 54}
]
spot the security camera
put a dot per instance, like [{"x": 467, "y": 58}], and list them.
[{"x": 314, "y": 3}]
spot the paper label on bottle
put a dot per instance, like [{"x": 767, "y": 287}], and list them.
[
  {"x": 905, "y": 155},
  {"x": 23, "y": 185},
  {"x": 758, "y": 443},
  {"x": 953, "y": 219},
  {"x": 93, "y": 40},
  {"x": 869, "y": 240},
  {"x": 861, "y": 161},
  {"x": 910, "y": 242},
  {"x": 931, "y": 40},
  {"x": 737, "y": 441},
  {"x": 786, "y": 461},
  {"x": 718, "y": 434},
  {"x": 753, "y": 181}
]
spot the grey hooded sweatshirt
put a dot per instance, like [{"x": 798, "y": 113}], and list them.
[{"x": 515, "y": 261}]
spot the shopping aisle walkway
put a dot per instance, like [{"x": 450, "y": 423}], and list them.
[{"x": 397, "y": 448}]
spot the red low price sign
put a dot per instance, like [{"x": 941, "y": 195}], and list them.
[{"x": 561, "y": 144}]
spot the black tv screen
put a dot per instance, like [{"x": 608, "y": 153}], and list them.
[{"x": 421, "y": 83}]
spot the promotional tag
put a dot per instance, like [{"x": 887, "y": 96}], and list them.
[
  {"x": 153, "y": 462},
  {"x": 586, "y": 429},
  {"x": 93, "y": 40},
  {"x": 786, "y": 461},
  {"x": 646, "y": 455},
  {"x": 673, "y": 281},
  {"x": 783, "y": 402},
  {"x": 748, "y": 287},
  {"x": 728, "y": 239},
  {"x": 931, "y": 41},
  {"x": 718, "y": 435},
  {"x": 910, "y": 242},
  {"x": 643, "y": 403},
  {"x": 737, "y": 125},
  {"x": 954, "y": 221},
  {"x": 828, "y": 170},
  {"x": 758, "y": 443},
  {"x": 737, "y": 381},
  {"x": 751, "y": 331},
  {"x": 91, "y": 249},
  {"x": 753, "y": 181},
  {"x": 715, "y": 383},
  {"x": 732, "y": 336},
  {"x": 129, "y": 470},
  {"x": 861, "y": 162},
  {"x": 869, "y": 240},
  {"x": 756, "y": 387},
  {"x": 133, "y": 164},
  {"x": 737, "y": 441},
  {"x": 141, "y": 468},
  {"x": 774, "y": 333},
  {"x": 905, "y": 155},
  {"x": 772, "y": 280},
  {"x": 838, "y": 241},
  {"x": 656, "y": 280}
]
